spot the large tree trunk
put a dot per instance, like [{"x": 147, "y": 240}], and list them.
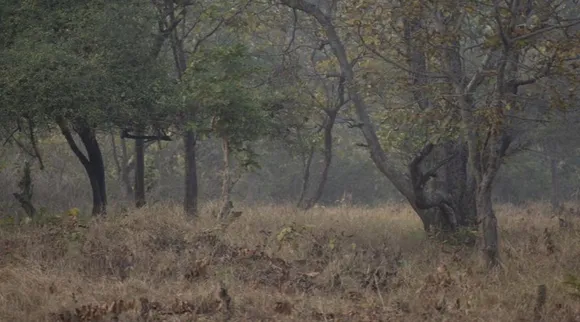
[
  {"x": 461, "y": 192},
  {"x": 139, "y": 169},
  {"x": 190, "y": 202},
  {"x": 92, "y": 161}
]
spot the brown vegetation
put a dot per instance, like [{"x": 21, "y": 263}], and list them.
[{"x": 282, "y": 264}]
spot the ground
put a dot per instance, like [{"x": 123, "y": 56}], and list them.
[{"x": 276, "y": 263}]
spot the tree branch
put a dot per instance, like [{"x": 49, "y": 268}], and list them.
[
  {"x": 161, "y": 137},
  {"x": 479, "y": 75},
  {"x": 32, "y": 138},
  {"x": 64, "y": 128}
]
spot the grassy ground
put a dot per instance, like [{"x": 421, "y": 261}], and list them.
[{"x": 279, "y": 264}]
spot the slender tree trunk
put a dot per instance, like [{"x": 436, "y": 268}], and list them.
[
  {"x": 126, "y": 168},
  {"x": 227, "y": 206},
  {"x": 191, "y": 192},
  {"x": 488, "y": 222},
  {"x": 327, "y": 160},
  {"x": 307, "y": 162},
  {"x": 24, "y": 197},
  {"x": 139, "y": 169},
  {"x": 180, "y": 60},
  {"x": 116, "y": 157}
]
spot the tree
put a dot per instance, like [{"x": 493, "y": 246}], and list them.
[
  {"x": 82, "y": 68},
  {"x": 484, "y": 96},
  {"x": 191, "y": 25},
  {"x": 223, "y": 81}
]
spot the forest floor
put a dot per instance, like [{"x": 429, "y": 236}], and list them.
[{"x": 275, "y": 263}]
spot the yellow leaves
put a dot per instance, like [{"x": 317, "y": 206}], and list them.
[
  {"x": 372, "y": 40},
  {"x": 73, "y": 212},
  {"x": 491, "y": 42},
  {"x": 353, "y": 22},
  {"x": 469, "y": 9},
  {"x": 286, "y": 233},
  {"x": 327, "y": 65}
]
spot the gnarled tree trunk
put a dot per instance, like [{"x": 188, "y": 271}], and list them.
[{"x": 453, "y": 181}]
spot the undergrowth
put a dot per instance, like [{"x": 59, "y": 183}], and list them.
[{"x": 276, "y": 263}]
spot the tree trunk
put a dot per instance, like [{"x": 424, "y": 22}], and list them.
[
  {"x": 329, "y": 124},
  {"x": 24, "y": 197},
  {"x": 96, "y": 169},
  {"x": 190, "y": 203},
  {"x": 92, "y": 162},
  {"x": 180, "y": 60},
  {"x": 126, "y": 169},
  {"x": 139, "y": 170},
  {"x": 116, "y": 157},
  {"x": 488, "y": 222},
  {"x": 227, "y": 206},
  {"x": 453, "y": 190},
  {"x": 307, "y": 162}
]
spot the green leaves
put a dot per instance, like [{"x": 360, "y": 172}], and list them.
[
  {"x": 221, "y": 86},
  {"x": 91, "y": 61}
]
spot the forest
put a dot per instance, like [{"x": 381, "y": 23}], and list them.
[{"x": 290, "y": 160}]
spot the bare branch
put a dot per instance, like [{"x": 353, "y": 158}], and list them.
[
  {"x": 543, "y": 30},
  {"x": 294, "y": 27},
  {"x": 479, "y": 75},
  {"x": 159, "y": 137},
  {"x": 34, "y": 144}
]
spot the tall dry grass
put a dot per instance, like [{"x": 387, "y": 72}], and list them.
[{"x": 276, "y": 263}]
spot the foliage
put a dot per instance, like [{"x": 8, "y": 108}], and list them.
[
  {"x": 574, "y": 283},
  {"x": 221, "y": 82},
  {"x": 88, "y": 61}
]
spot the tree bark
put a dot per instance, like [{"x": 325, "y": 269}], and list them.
[
  {"x": 307, "y": 162},
  {"x": 126, "y": 168},
  {"x": 140, "y": 200},
  {"x": 92, "y": 161},
  {"x": 227, "y": 206},
  {"x": 488, "y": 222},
  {"x": 328, "y": 126},
  {"x": 191, "y": 191},
  {"x": 24, "y": 197}
]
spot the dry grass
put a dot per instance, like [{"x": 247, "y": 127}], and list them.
[{"x": 280, "y": 264}]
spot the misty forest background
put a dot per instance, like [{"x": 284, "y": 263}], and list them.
[
  {"x": 448, "y": 106},
  {"x": 289, "y": 160}
]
